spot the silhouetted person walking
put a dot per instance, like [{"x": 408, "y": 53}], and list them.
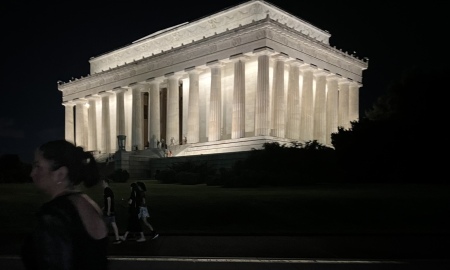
[
  {"x": 134, "y": 223},
  {"x": 143, "y": 210},
  {"x": 109, "y": 210}
]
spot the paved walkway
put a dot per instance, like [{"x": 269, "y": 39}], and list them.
[
  {"x": 379, "y": 247},
  {"x": 367, "y": 247},
  {"x": 397, "y": 252}
]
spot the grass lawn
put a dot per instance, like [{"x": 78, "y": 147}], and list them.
[{"x": 321, "y": 209}]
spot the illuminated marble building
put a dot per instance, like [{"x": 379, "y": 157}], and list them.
[{"x": 227, "y": 82}]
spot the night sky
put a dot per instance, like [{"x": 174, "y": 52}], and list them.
[{"x": 42, "y": 44}]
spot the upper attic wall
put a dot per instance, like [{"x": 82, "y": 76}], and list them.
[{"x": 208, "y": 26}]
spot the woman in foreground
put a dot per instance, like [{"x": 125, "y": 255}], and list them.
[{"x": 70, "y": 233}]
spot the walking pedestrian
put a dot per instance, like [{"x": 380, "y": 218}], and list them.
[
  {"x": 134, "y": 224},
  {"x": 109, "y": 210},
  {"x": 143, "y": 209}
]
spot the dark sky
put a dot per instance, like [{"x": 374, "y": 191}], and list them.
[{"x": 43, "y": 44}]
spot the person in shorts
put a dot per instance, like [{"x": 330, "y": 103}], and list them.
[
  {"x": 143, "y": 210},
  {"x": 134, "y": 226}
]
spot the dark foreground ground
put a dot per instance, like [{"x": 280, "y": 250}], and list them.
[{"x": 359, "y": 251}]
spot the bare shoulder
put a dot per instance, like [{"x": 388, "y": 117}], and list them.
[{"x": 91, "y": 215}]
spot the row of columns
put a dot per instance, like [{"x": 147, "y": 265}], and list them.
[{"x": 308, "y": 112}]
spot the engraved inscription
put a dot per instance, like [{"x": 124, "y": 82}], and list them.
[
  {"x": 260, "y": 34},
  {"x": 212, "y": 48},
  {"x": 236, "y": 41}
]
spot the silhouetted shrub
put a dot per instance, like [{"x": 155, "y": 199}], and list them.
[
  {"x": 188, "y": 178},
  {"x": 12, "y": 170},
  {"x": 219, "y": 179},
  {"x": 202, "y": 170},
  {"x": 166, "y": 176},
  {"x": 120, "y": 176}
]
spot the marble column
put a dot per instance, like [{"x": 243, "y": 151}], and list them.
[
  {"x": 92, "y": 113},
  {"x": 238, "y": 106},
  {"x": 193, "y": 124},
  {"x": 69, "y": 127},
  {"x": 173, "y": 109},
  {"x": 81, "y": 128},
  {"x": 137, "y": 115},
  {"x": 154, "y": 113},
  {"x": 293, "y": 101},
  {"x": 307, "y": 105},
  {"x": 120, "y": 111},
  {"x": 262, "y": 117},
  {"x": 320, "y": 113},
  {"x": 343, "y": 120},
  {"x": 332, "y": 106},
  {"x": 353, "y": 106},
  {"x": 278, "y": 98},
  {"x": 105, "y": 136},
  {"x": 215, "y": 102}
]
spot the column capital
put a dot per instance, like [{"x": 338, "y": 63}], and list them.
[
  {"x": 119, "y": 89},
  {"x": 321, "y": 72},
  {"x": 344, "y": 81},
  {"x": 104, "y": 93},
  {"x": 263, "y": 51},
  {"x": 308, "y": 67},
  {"x": 173, "y": 75},
  {"x": 70, "y": 103},
  {"x": 239, "y": 57},
  {"x": 214, "y": 63},
  {"x": 139, "y": 86},
  {"x": 355, "y": 84},
  {"x": 154, "y": 80},
  {"x": 193, "y": 69},
  {"x": 332, "y": 77},
  {"x": 92, "y": 97},
  {"x": 296, "y": 62},
  {"x": 281, "y": 57},
  {"x": 80, "y": 101}
]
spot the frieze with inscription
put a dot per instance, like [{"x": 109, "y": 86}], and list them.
[
  {"x": 236, "y": 41},
  {"x": 268, "y": 29}
]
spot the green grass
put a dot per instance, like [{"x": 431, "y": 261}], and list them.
[{"x": 322, "y": 209}]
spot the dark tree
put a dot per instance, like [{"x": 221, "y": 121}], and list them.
[
  {"x": 402, "y": 136},
  {"x": 12, "y": 170}
]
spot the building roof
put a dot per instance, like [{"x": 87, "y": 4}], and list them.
[{"x": 187, "y": 32}]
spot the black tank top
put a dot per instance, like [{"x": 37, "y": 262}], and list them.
[{"x": 60, "y": 240}]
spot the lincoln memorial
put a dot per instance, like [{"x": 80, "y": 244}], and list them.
[{"x": 225, "y": 83}]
